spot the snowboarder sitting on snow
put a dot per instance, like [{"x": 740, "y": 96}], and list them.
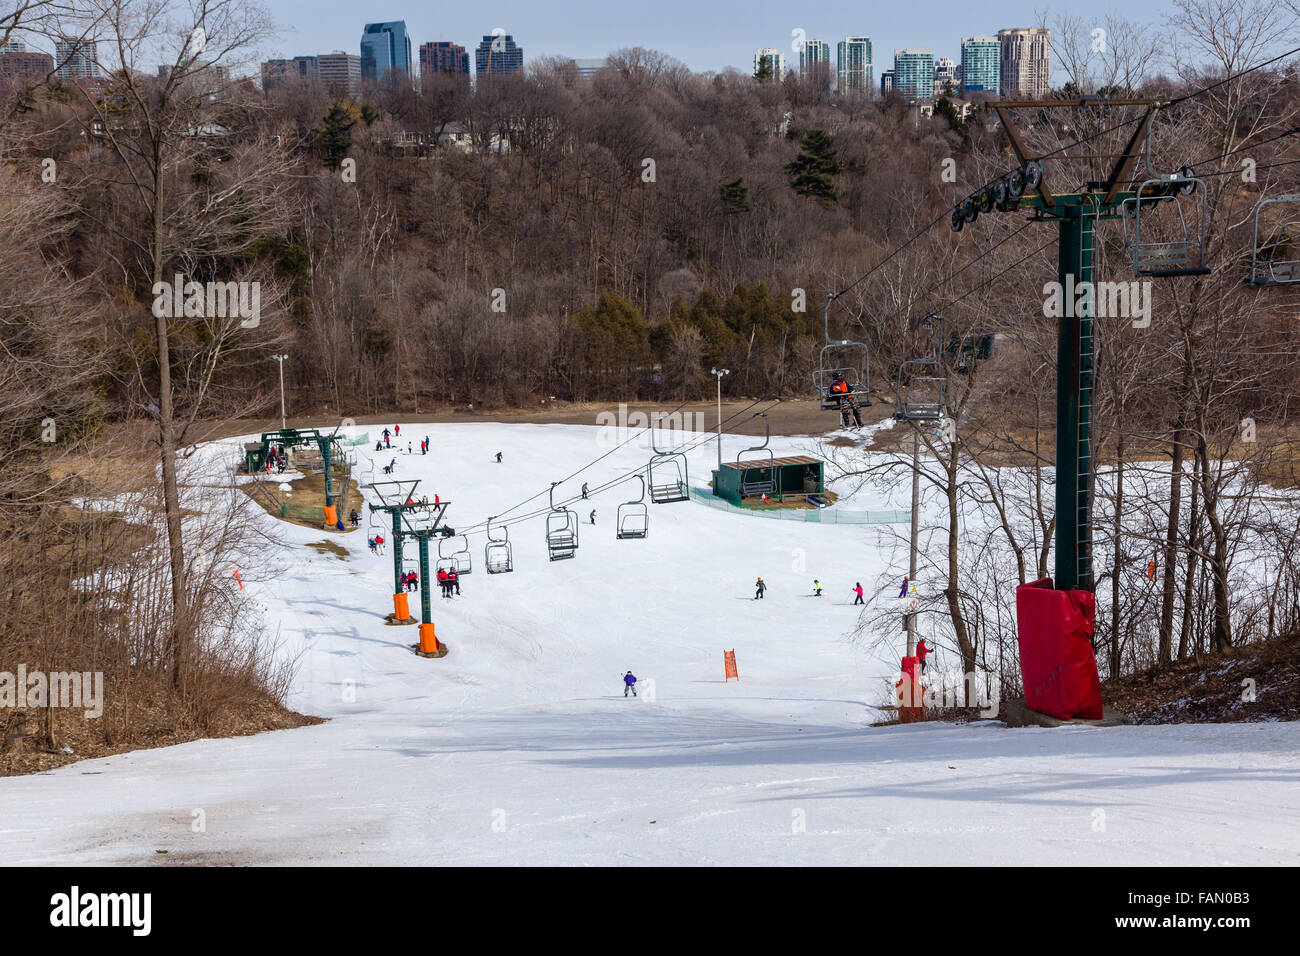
[
  {"x": 921, "y": 651},
  {"x": 817, "y": 588},
  {"x": 759, "y": 588},
  {"x": 857, "y": 589},
  {"x": 629, "y": 684}
]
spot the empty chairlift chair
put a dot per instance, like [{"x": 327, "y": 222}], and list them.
[
  {"x": 758, "y": 475},
  {"x": 922, "y": 390},
  {"x": 669, "y": 475},
  {"x": 498, "y": 556},
  {"x": 1276, "y": 261},
  {"x": 922, "y": 386},
  {"x": 634, "y": 516},
  {"x": 1155, "y": 227},
  {"x": 561, "y": 531}
]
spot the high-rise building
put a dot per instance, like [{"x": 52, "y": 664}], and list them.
[
  {"x": 13, "y": 46},
  {"x": 770, "y": 63},
  {"x": 590, "y": 66},
  {"x": 443, "y": 57},
  {"x": 886, "y": 81},
  {"x": 339, "y": 72},
  {"x": 497, "y": 55},
  {"x": 74, "y": 59},
  {"x": 914, "y": 73},
  {"x": 853, "y": 60},
  {"x": 981, "y": 64},
  {"x": 945, "y": 75},
  {"x": 24, "y": 65},
  {"x": 385, "y": 47},
  {"x": 815, "y": 60},
  {"x": 275, "y": 73},
  {"x": 1026, "y": 62}
]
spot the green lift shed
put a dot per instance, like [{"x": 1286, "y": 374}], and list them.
[{"x": 797, "y": 475}]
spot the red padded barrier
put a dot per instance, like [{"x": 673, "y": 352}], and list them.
[{"x": 1054, "y": 629}]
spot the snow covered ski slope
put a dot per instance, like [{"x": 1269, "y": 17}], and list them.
[{"x": 519, "y": 747}]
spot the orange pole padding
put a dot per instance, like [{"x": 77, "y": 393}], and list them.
[
  {"x": 331, "y": 515},
  {"x": 428, "y": 641},
  {"x": 401, "y": 607}
]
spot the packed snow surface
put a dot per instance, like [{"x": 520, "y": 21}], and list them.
[{"x": 520, "y": 748}]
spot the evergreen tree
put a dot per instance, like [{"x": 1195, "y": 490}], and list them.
[
  {"x": 334, "y": 138},
  {"x": 812, "y": 169},
  {"x": 735, "y": 196}
]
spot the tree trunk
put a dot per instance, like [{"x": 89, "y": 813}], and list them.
[{"x": 179, "y": 638}]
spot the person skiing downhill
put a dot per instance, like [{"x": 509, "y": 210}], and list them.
[
  {"x": 593, "y": 515},
  {"x": 759, "y": 588},
  {"x": 817, "y": 588},
  {"x": 629, "y": 684},
  {"x": 584, "y": 489},
  {"x": 857, "y": 589}
]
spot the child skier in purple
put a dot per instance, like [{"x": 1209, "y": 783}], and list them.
[{"x": 629, "y": 684}]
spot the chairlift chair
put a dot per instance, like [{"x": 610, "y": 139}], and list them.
[
  {"x": 461, "y": 556},
  {"x": 1168, "y": 257},
  {"x": 633, "y": 518},
  {"x": 922, "y": 386},
  {"x": 561, "y": 530},
  {"x": 498, "y": 556},
  {"x": 766, "y": 484},
  {"x": 1266, "y": 266},
  {"x": 1160, "y": 258},
  {"x": 669, "y": 475},
  {"x": 922, "y": 390},
  {"x": 446, "y": 559},
  {"x": 844, "y": 357}
]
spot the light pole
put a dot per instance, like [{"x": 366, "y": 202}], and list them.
[
  {"x": 280, "y": 359},
  {"x": 718, "y": 373}
]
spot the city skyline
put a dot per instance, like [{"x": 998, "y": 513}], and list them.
[{"x": 595, "y": 30}]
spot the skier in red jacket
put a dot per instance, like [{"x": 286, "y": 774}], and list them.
[{"x": 922, "y": 649}]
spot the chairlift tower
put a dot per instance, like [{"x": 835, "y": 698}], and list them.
[
  {"x": 398, "y": 502},
  {"x": 1076, "y": 216}
]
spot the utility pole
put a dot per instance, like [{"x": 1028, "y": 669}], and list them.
[
  {"x": 280, "y": 359},
  {"x": 718, "y": 373},
  {"x": 916, "y": 534}
]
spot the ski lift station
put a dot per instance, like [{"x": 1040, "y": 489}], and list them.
[{"x": 798, "y": 475}]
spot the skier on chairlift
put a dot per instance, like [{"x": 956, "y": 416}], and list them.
[{"x": 848, "y": 402}]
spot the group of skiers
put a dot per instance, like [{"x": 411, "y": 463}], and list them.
[
  {"x": 760, "y": 586},
  {"x": 377, "y": 544},
  {"x": 410, "y": 581},
  {"x": 277, "y": 458},
  {"x": 447, "y": 580}
]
